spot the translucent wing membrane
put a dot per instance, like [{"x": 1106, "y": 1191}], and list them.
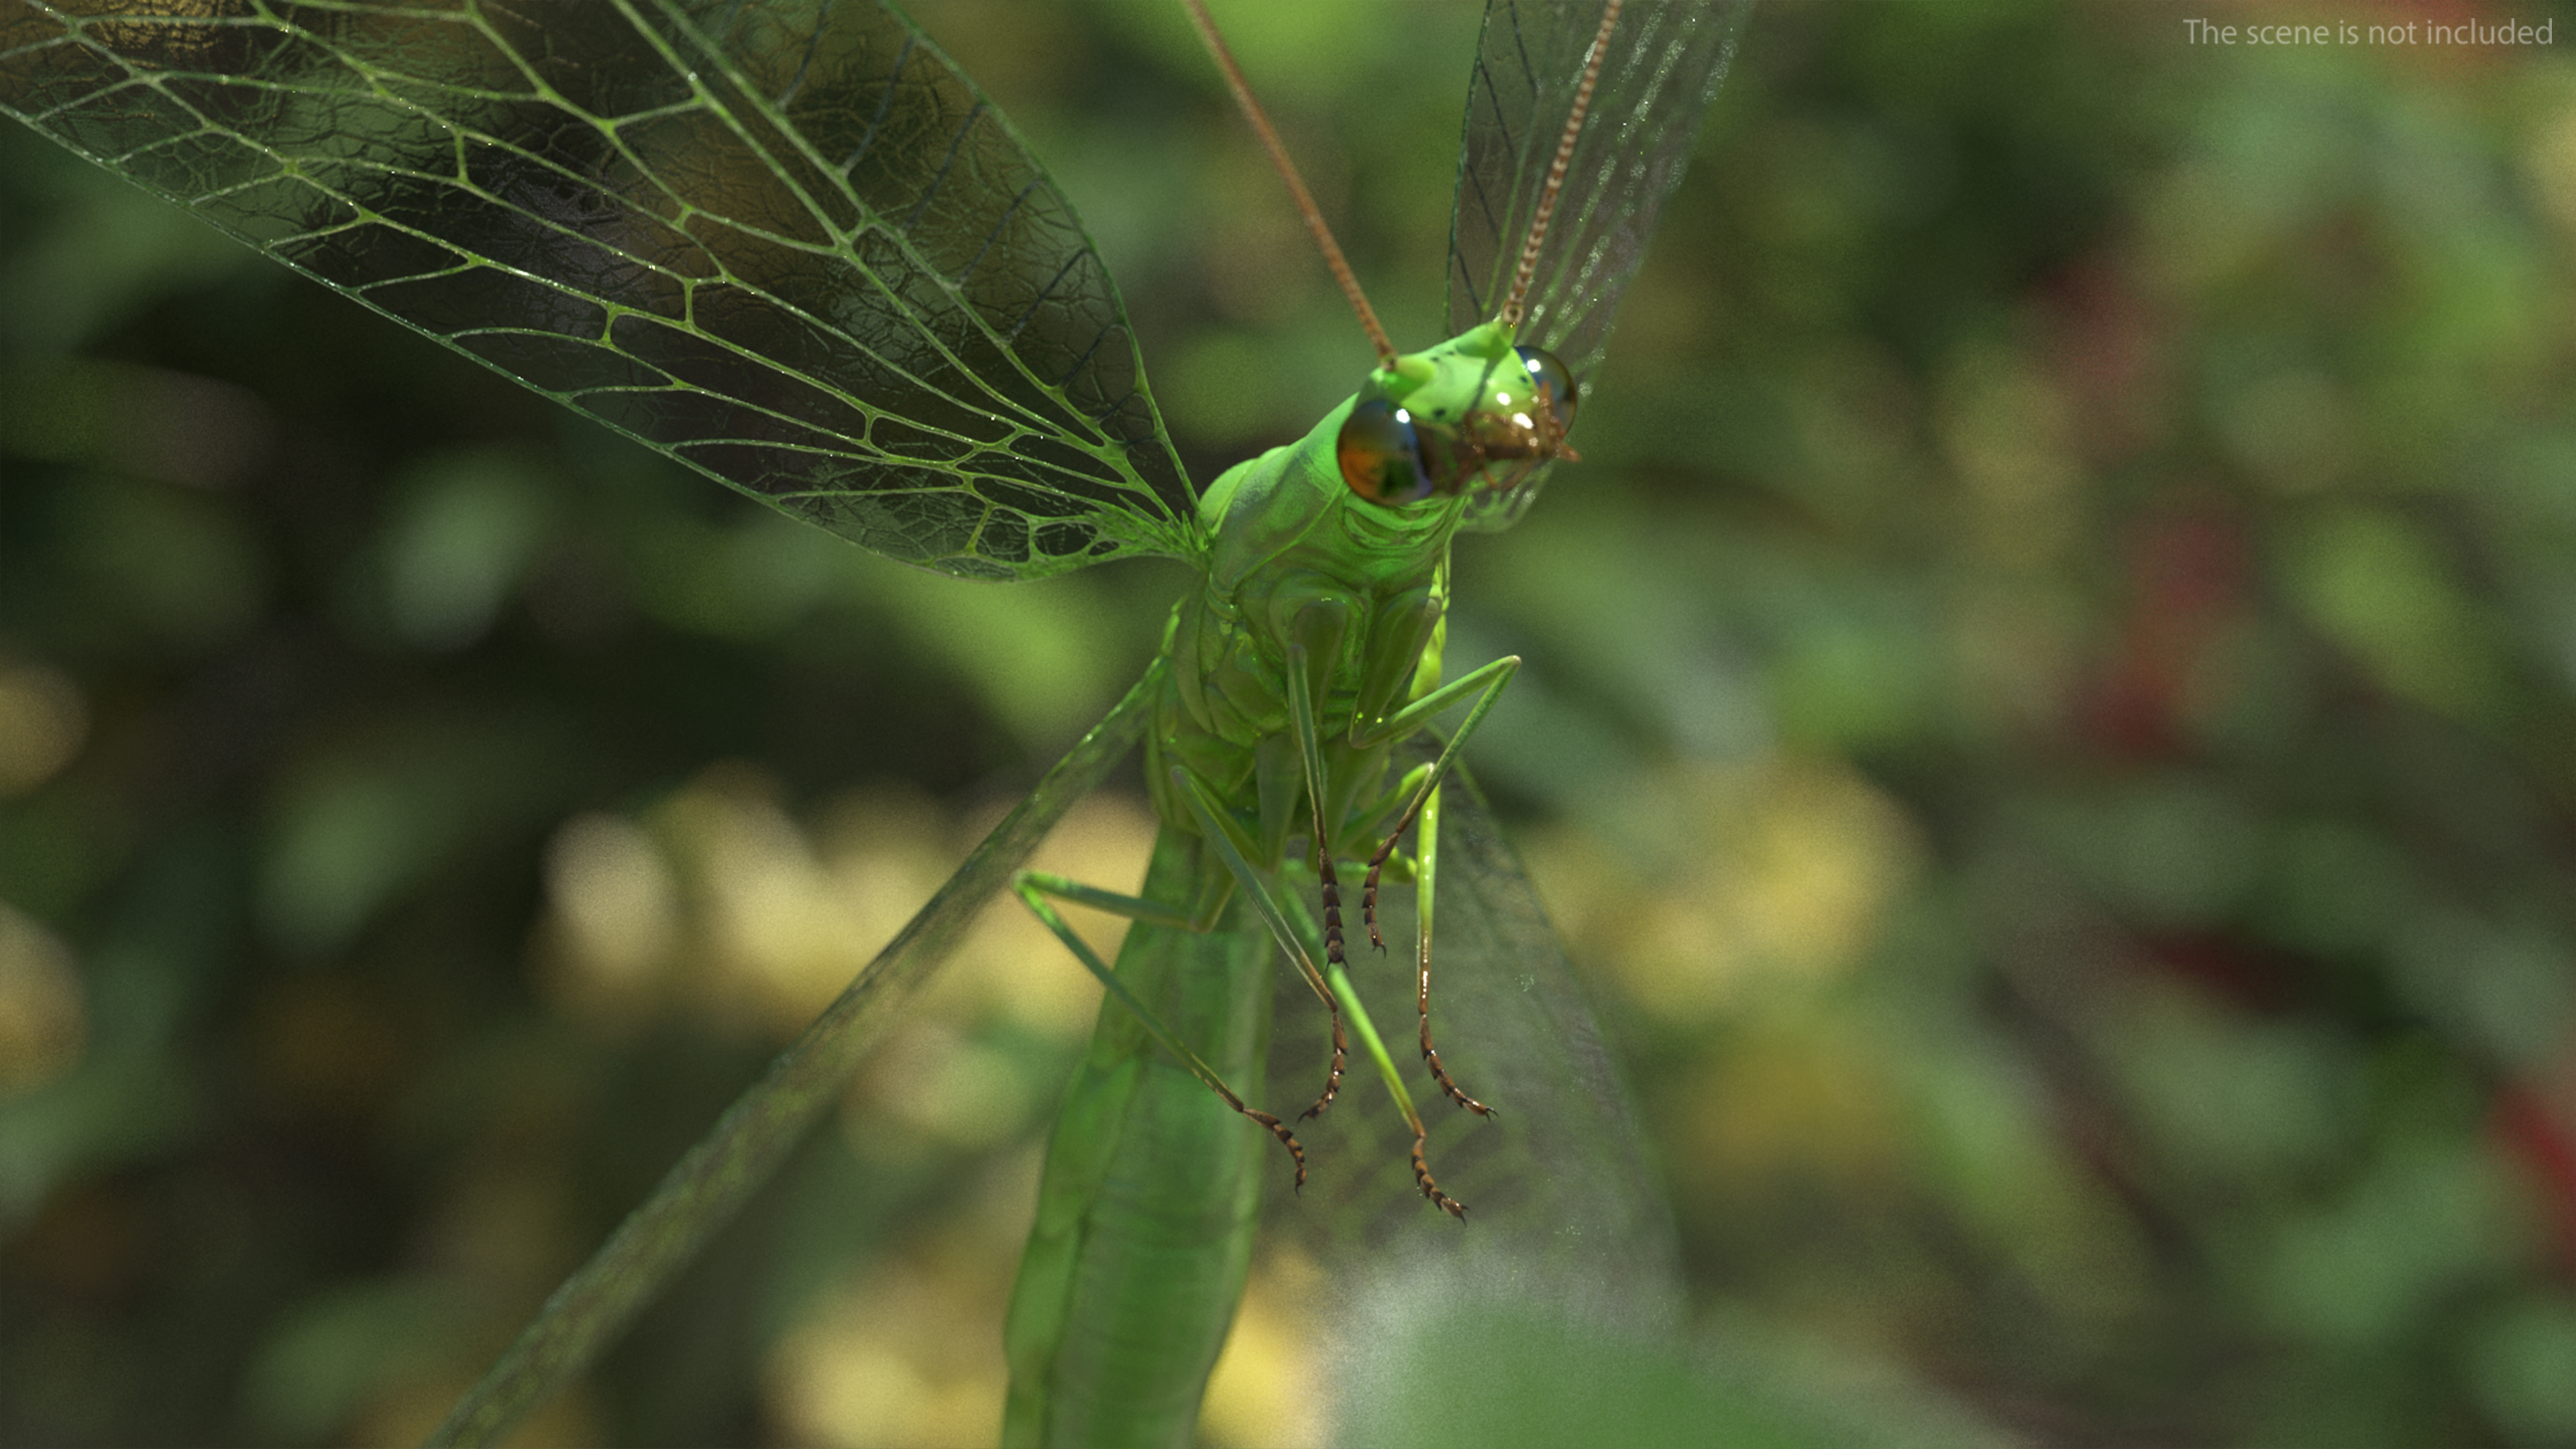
[
  {"x": 1563, "y": 1209},
  {"x": 789, "y": 245},
  {"x": 1666, "y": 60}
]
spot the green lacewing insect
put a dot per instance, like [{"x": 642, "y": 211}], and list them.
[{"x": 791, "y": 246}]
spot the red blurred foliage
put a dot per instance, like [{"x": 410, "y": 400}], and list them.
[
  {"x": 2539, "y": 1129},
  {"x": 2189, "y": 568}
]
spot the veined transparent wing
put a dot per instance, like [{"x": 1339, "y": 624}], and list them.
[
  {"x": 1665, "y": 62},
  {"x": 790, "y": 245},
  {"x": 1566, "y": 1220}
]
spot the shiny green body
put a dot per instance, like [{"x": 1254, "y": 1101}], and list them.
[
  {"x": 1127, "y": 1287},
  {"x": 1145, "y": 1222},
  {"x": 1297, "y": 560}
]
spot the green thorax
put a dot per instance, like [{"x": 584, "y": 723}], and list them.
[
  {"x": 1291, "y": 509},
  {"x": 1297, "y": 554}
]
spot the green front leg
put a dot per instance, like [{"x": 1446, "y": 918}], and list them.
[{"x": 1153, "y": 1185}]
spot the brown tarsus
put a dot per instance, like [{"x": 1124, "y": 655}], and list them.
[{"x": 1422, "y": 994}]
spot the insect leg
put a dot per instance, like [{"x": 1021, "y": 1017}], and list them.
[
  {"x": 1426, "y": 856},
  {"x": 1133, "y": 908},
  {"x": 1333, "y": 962},
  {"x": 1486, "y": 684},
  {"x": 1301, "y": 721},
  {"x": 1034, "y": 888},
  {"x": 1319, "y": 629},
  {"x": 1395, "y": 800}
]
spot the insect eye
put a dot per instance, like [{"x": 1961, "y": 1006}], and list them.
[
  {"x": 1546, "y": 372},
  {"x": 1381, "y": 455}
]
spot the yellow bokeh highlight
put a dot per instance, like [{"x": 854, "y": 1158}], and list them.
[
  {"x": 721, "y": 902},
  {"x": 939, "y": 1082},
  {"x": 1805, "y": 1104},
  {"x": 900, "y": 1356},
  {"x": 777, "y": 926},
  {"x": 613, "y": 928},
  {"x": 1265, "y": 1392},
  {"x": 1704, "y": 885},
  {"x": 2550, "y": 163},
  {"x": 1012, "y": 964},
  {"x": 43, "y": 723},
  {"x": 44, "y": 1015}
]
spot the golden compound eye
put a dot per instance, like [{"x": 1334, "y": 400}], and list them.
[
  {"x": 1545, "y": 372},
  {"x": 1381, "y": 454}
]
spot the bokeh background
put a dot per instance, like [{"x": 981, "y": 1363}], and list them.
[{"x": 2050, "y": 724}]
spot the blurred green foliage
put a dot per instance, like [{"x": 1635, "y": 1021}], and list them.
[{"x": 2049, "y": 713}]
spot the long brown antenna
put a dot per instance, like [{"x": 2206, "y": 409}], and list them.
[
  {"x": 1297, "y": 187},
  {"x": 1556, "y": 172}
]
